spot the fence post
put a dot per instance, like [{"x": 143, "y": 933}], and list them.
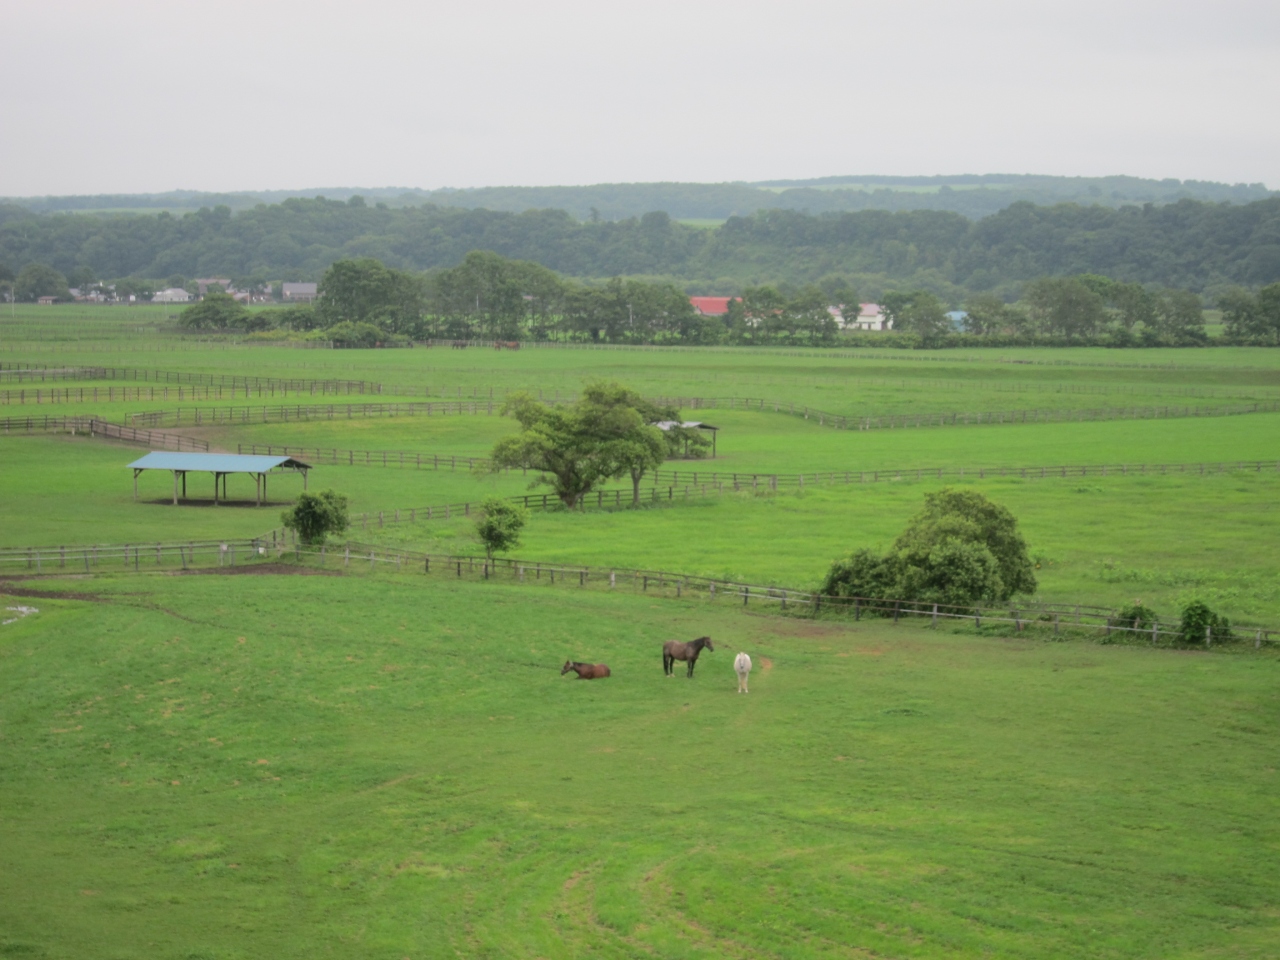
[{"x": 935, "y": 615}]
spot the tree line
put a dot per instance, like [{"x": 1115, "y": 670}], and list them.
[
  {"x": 366, "y": 303},
  {"x": 1203, "y": 247}
]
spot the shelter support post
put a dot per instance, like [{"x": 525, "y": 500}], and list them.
[
  {"x": 184, "y": 484},
  {"x": 304, "y": 479},
  {"x": 216, "y": 479},
  {"x": 136, "y": 471},
  {"x": 175, "y": 488}
]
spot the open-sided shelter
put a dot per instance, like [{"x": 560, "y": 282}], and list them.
[
  {"x": 691, "y": 425},
  {"x": 221, "y": 465}
]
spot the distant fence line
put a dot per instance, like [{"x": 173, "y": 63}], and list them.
[
  {"x": 193, "y": 392},
  {"x": 96, "y": 427},
  {"x": 693, "y": 478},
  {"x": 284, "y": 413},
  {"x": 708, "y": 483},
  {"x": 31, "y": 373},
  {"x": 1025, "y": 616},
  {"x": 41, "y": 373}
]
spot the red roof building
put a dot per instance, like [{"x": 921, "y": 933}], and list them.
[{"x": 712, "y": 306}]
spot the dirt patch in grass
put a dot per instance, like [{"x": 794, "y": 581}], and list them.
[
  {"x": 10, "y": 591},
  {"x": 261, "y": 570}
]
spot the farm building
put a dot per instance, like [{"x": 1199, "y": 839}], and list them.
[
  {"x": 298, "y": 292},
  {"x": 171, "y": 295},
  {"x": 221, "y": 465},
  {"x": 712, "y": 306}
]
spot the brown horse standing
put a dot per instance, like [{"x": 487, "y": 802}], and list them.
[
  {"x": 674, "y": 650},
  {"x": 586, "y": 671}
]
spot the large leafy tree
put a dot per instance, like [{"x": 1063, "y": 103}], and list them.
[
  {"x": 496, "y": 296},
  {"x": 569, "y": 447},
  {"x": 37, "y": 280},
  {"x": 1066, "y": 306},
  {"x": 960, "y": 549},
  {"x": 919, "y": 312},
  {"x": 607, "y": 433},
  {"x": 368, "y": 291},
  {"x": 635, "y": 443}
]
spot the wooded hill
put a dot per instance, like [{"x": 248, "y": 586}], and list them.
[
  {"x": 1206, "y": 247},
  {"x": 974, "y": 195}
]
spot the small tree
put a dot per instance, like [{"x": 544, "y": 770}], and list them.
[
  {"x": 316, "y": 515},
  {"x": 1199, "y": 623},
  {"x": 500, "y": 524},
  {"x": 217, "y": 311}
]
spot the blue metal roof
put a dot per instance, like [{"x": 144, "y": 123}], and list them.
[{"x": 214, "y": 462}]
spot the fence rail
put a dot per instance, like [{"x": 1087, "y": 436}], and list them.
[
  {"x": 28, "y": 373},
  {"x": 286, "y": 412},
  {"x": 101, "y": 428},
  {"x": 131, "y": 556},
  {"x": 136, "y": 557},
  {"x": 717, "y": 483},
  {"x": 1056, "y": 617}
]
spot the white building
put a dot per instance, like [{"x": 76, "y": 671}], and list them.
[
  {"x": 171, "y": 295},
  {"x": 869, "y": 317}
]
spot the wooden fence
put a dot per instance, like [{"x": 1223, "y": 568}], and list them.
[
  {"x": 101, "y": 428},
  {"x": 283, "y": 413},
  {"x": 713, "y": 483},
  {"x": 135, "y": 557},
  {"x": 28, "y": 373},
  {"x": 1023, "y": 617}
]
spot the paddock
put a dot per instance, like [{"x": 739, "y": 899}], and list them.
[{"x": 221, "y": 465}]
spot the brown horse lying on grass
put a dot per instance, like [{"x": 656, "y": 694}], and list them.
[
  {"x": 586, "y": 671},
  {"x": 674, "y": 650}
]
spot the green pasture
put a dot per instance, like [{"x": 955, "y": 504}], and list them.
[
  {"x": 68, "y": 490},
  {"x": 389, "y": 767},
  {"x": 1104, "y": 541}
]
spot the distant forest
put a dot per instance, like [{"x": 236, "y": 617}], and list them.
[
  {"x": 973, "y": 195},
  {"x": 1201, "y": 246}
]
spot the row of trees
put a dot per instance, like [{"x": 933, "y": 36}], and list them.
[
  {"x": 363, "y": 302},
  {"x": 1083, "y": 308},
  {"x": 1205, "y": 247}
]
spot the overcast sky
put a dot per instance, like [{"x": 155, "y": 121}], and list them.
[{"x": 146, "y": 96}]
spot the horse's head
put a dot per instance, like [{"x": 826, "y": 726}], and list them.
[
  {"x": 568, "y": 665},
  {"x": 706, "y": 642}
]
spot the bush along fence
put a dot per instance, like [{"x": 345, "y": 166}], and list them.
[
  {"x": 94, "y": 427},
  {"x": 284, "y": 413},
  {"x": 1057, "y": 619}
]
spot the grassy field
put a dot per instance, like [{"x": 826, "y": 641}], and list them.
[
  {"x": 392, "y": 767},
  {"x": 356, "y": 765}
]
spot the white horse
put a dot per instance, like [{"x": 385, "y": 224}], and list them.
[{"x": 742, "y": 666}]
